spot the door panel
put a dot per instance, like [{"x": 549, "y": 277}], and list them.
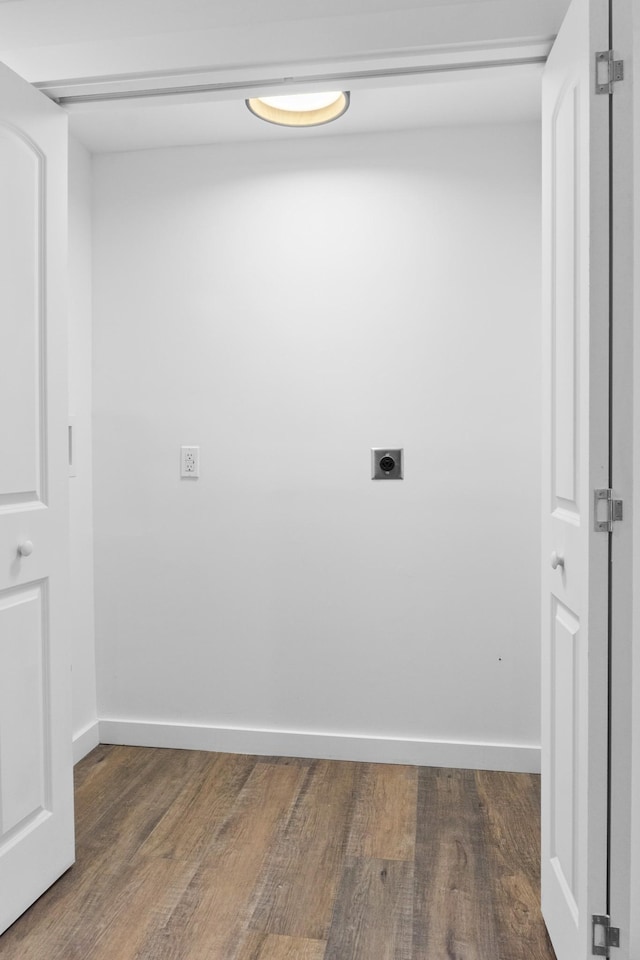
[
  {"x": 36, "y": 772},
  {"x": 565, "y": 664},
  {"x": 21, "y": 243},
  {"x": 575, "y": 558},
  {"x": 565, "y": 178},
  {"x": 24, "y": 686}
]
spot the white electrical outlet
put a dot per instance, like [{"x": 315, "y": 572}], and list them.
[{"x": 189, "y": 461}]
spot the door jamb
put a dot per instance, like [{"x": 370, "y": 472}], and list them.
[{"x": 623, "y": 615}]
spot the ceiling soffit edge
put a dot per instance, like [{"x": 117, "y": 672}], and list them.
[{"x": 234, "y": 80}]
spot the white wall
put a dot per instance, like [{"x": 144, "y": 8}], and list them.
[
  {"x": 288, "y": 306},
  {"x": 84, "y": 711}
]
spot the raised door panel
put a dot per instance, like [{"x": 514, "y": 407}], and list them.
[
  {"x": 25, "y": 788},
  {"x": 565, "y": 254},
  {"x": 565, "y": 672},
  {"x": 21, "y": 332}
]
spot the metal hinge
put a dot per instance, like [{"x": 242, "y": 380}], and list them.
[
  {"x": 604, "y": 936},
  {"x": 613, "y": 510},
  {"x": 608, "y": 71}
]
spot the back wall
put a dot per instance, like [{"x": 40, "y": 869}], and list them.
[{"x": 287, "y": 306}]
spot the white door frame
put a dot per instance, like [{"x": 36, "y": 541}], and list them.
[
  {"x": 630, "y": 881},
  {"x": 625, "y": 759},
  {"x": 625, "y": 608}
]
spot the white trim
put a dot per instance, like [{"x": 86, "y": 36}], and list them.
[
  {"x": 515, "y": 758},
  {"x": 85, "y": 741},
  {"x": 624, "y": 805},
  {"x": 239, "y": 79}
]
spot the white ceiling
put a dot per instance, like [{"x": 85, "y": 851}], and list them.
[
  {"x": 43, "y": 23},
  {"x": 47, "y": 40}
]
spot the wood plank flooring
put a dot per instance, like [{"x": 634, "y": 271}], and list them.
[{"x": 186, "y": 855}]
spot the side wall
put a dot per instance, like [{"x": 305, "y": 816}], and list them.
[
  {"x": 85, "y": 728},
  {"x": 288, "y": 306}
]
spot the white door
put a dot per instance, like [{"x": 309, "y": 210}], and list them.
[
  {"x": 36, "y": 798},
  {"x": 575, "y": 557}
]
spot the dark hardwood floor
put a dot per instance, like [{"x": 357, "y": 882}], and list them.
[{"x": 185, "y": 855}]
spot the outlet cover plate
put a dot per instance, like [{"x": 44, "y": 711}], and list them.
[
  {"x": 381, "y": 467},
  {"x": 189, "y": 463}
]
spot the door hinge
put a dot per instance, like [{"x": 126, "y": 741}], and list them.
[
  {"x": 604, "y": 936},
  {"x": 612, "y": 514},
  {"x": 608, "y": 71}
]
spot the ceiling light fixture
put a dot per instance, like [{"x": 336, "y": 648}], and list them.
[{"x": 300, "y": 109}]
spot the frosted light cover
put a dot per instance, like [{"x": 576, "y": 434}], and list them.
[{"x": 300, "y": 109}]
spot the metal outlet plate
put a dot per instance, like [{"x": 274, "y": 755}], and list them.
[{"x": 387, "y": 463}]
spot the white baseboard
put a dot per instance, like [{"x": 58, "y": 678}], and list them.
[
  {"x": 86, "y": 740},
  {"x": 323, "y": 746}
]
